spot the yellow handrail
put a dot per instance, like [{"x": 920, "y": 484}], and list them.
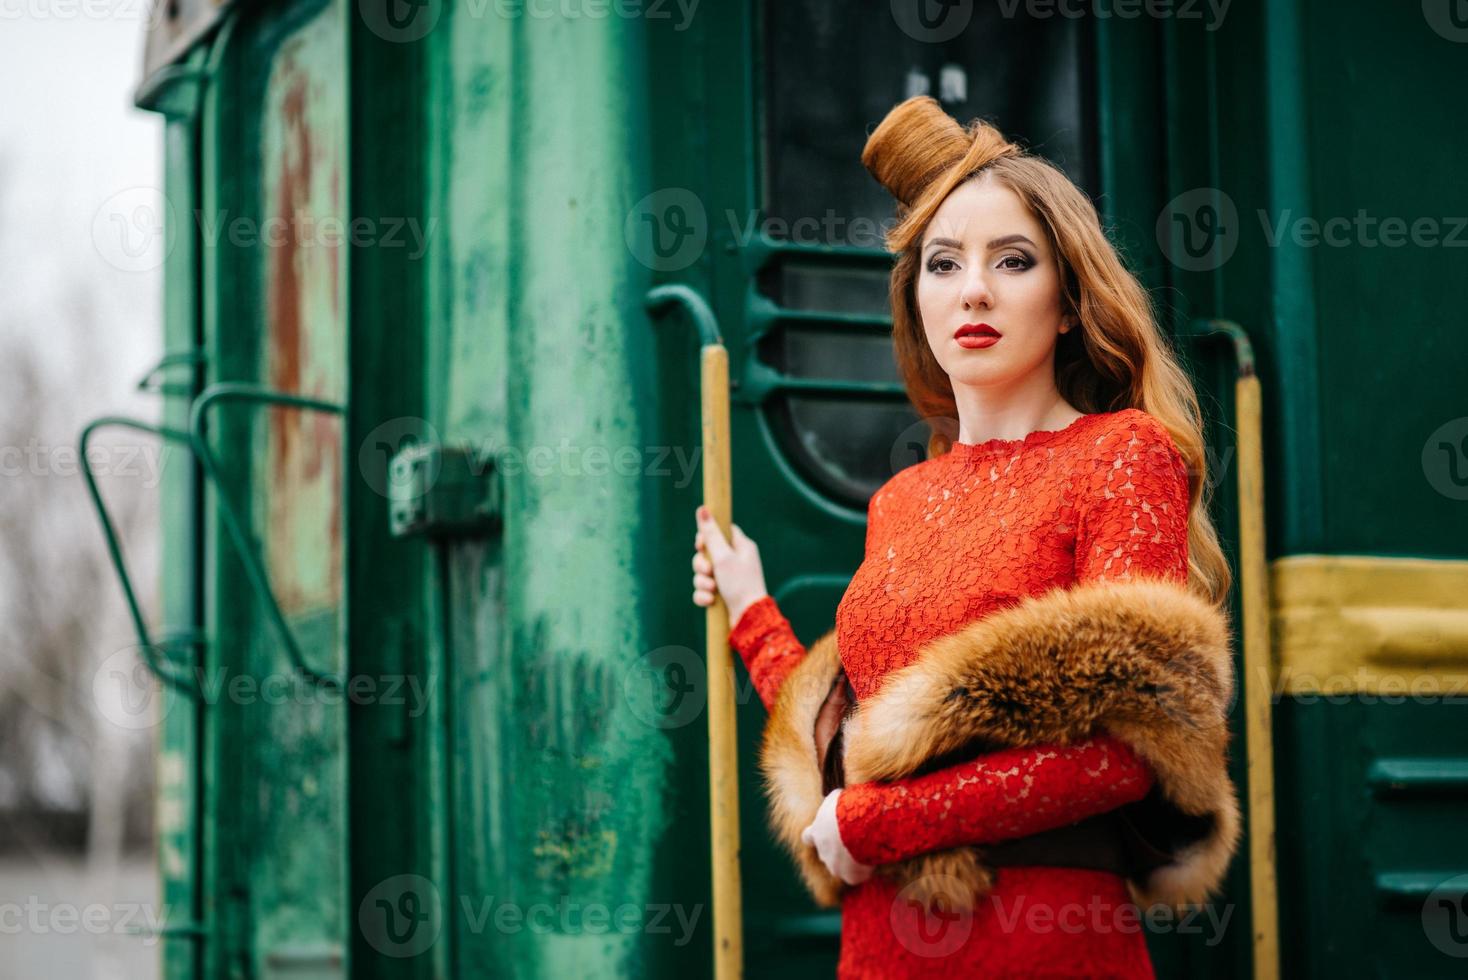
[
  {"x": 723, "y": 734},
  {"x": 1259, "y": 669}
]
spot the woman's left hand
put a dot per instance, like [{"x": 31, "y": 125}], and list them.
[{"x": 825, "y": 835}]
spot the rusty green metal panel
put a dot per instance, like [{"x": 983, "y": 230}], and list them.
[
  {"x": 303, "y": 349},
  {"x": 562, "y": 796},
  {"x": 178, "y": 810},
  {"x": 399, "y": 890},
  {"x": 298, "y": 874},
  {"x": 276, "y": 787}
]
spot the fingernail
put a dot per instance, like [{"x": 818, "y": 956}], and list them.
[{"x": 703, "y": 512}]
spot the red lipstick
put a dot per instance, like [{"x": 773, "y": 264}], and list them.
[{"x": 975, "y": 336}]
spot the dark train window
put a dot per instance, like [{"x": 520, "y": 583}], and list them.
[
  {"x": 827, "y": 286},
  {"x": 828, "y": 78}
]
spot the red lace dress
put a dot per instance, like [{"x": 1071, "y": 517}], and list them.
[{"x": 949, "y": 541}]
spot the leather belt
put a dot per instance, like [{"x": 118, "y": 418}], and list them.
[
  {"x": 1113, "y": 841},
  {"x": 829, "y": 730}
]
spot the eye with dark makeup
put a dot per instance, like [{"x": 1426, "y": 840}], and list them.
[{"x": 1024, "y": 260}]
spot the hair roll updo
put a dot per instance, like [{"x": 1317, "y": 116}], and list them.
[{"x": 1116, "y": 358}]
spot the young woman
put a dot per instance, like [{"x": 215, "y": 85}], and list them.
[{"x": 1078, "y": 459}]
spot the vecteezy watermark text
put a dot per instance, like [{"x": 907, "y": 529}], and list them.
[
  {"x": 542, "y": 461},
  {"x": 943, "y": 927},
  {"x": 1364, "y": 230},
  {"x": 135, "y": 230},
  {"x": 126, "y": 692},
  {"x": 37, "y": 458},
  {"x": 402, "y": 22},
  {"x": 37, "y": 917},
  {"x": 304, "y": 229},
  {"x": 150, "y": 12},
  {"x": 1210, "y": 11},
  {"x": 569, "y": 918},
  {"x": 1199, "y": 230},
  {"x": 669, "y": 229},
  {"x": 403, "y": 916}
]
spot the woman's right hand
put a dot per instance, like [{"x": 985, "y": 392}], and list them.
[{"x": 731, "y": 570}]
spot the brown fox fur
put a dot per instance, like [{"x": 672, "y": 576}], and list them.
[{"x": 1146, "y": 661}]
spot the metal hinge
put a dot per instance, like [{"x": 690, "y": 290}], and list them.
[{"x": 443, "y": 492}]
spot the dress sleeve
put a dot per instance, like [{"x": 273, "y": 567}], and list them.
[
  {"x": 768, "y": 647},
  {"x": 998, "y": 796},
  {"x": 1134, "y": 517}
]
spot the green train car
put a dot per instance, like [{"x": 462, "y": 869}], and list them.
[{"x": 433, "y": 689}]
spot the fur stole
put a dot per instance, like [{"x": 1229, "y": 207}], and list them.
[{"x": 1145, "y": 661}]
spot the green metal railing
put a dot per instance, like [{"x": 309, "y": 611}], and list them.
[
  {"x": 153, "y": 382},
  {"x": 156, "y": 653},
  {"x": 758, "y": 381},
  {"x": 234, "y": 526},
  {"x": 150, "y": 649}
]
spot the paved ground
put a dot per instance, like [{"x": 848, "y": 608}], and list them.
[{"x": 59, "y": 922}]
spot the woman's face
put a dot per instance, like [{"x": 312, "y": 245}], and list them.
[{"x": 986, "y": 260}]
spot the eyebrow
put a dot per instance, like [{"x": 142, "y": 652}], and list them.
[{"x": 996, "y": 243}]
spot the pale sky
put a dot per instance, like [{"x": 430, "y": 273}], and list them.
[{"x": 70, "y": 140}]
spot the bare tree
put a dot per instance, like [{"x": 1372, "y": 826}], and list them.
[{"x": 61, "y": 612}]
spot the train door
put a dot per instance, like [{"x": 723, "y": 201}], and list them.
[
  {"x": 571, "y": 818},
  {"x": 275, "y": 177},
  {"x": 182, "y": 711},
  {"x": 1313, "y": 236},
  {"x": 798, "y": 278}
]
